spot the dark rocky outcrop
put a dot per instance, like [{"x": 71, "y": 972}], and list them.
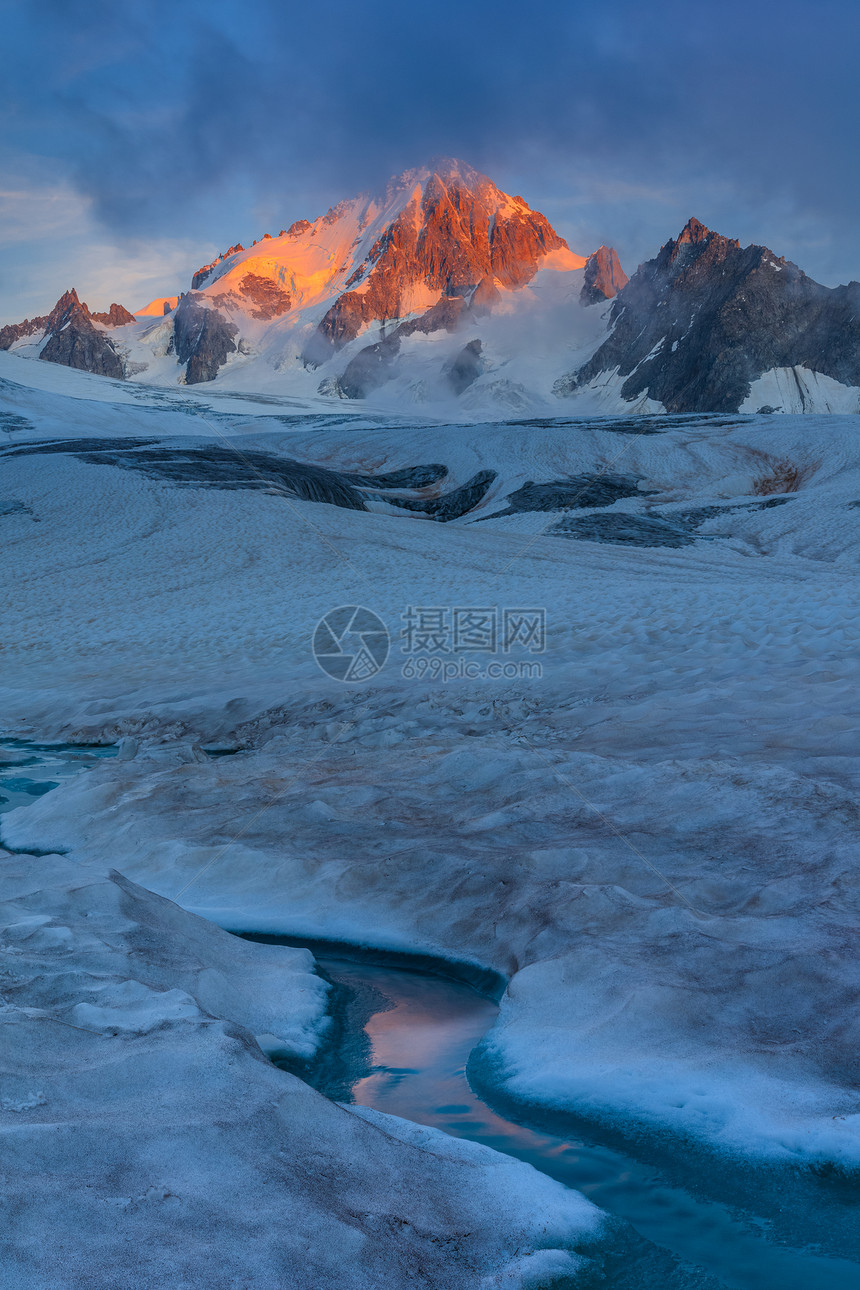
[
  {"x": 450, "y": 506},
  {"x": 657, "y": 528},
  {"x": 201, "y": 464},
  {"x": 446, "y": 315},
  {"x": 621, "y": 528},
  {"x": 577, "y": 492},
  {"x": 694, "y": 327},
  {"x": 216, "y": 466},
  {"x": 202, "y": 274},
  {"x": 485, "y": 297},
  {"x": 202, "y": 339},
  {"x": 13, "y": 332},
  {"x": 461, "y": 233},
  {"x": 82, "y": 346},
  {"x": 466, "y": 367},
  {"x": 75, "y": 341},
  {"x": 72, "y": 338},
  {"x": 604, "y": 277},
  {"x": 407, "y": 477},
  {"x": 369, "y": 369}
]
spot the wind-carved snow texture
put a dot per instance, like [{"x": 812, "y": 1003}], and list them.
[
  {"x": 234, "y": 466},
  {"x": 655, "y": 842}
]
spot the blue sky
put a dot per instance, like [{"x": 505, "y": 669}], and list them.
[{"x": 139, "y": 136}]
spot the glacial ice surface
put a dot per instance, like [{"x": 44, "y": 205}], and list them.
[
  {"x": 147, "y": 1140},
  {"x": 656, "y": 840}
]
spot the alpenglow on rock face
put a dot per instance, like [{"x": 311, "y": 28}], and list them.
[
  {"x": 380, "y": 297},
  {"x": 440, "y": 247},
  {"x": 603, "y": 278},
  {"x": 703, "y": 320},
  {"x": 455, "y": 234}
]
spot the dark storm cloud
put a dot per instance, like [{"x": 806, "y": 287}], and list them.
[{"x": 161, "y": 108}]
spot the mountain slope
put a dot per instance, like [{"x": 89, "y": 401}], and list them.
[
  {"x": 441, "y": 230},
  {"x": 455, "y": 234},
  {"x": 438, "y": 238},
  {"x": 443, "y": 290},
  {"x": 698, "y": 324},
  {"x": 440, "y": 249}
]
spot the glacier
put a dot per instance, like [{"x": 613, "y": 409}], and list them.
[{"x": 654, "y": 842}]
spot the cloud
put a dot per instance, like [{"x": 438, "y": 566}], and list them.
[
  {"x": 28, "y": 214},
  {"x": 170, "y": 118},
  {"x": 50, "y": 240}
]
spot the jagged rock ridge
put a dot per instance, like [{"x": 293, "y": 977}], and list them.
[
  {"x": 116, "y": 316},
  {"x": 459, "y": 236},
  {"x": 695, "y": 326},
  {"x": 441, "y": 247},
  {"x": 604, "y": 276},
  {"x": 72, "y": 339}
]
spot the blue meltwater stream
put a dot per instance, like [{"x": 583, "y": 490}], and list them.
[
  {"x": 28, "y": 770},
  {"x": 403, "y": 1036},
  {"x": 419, "y": 1030}
]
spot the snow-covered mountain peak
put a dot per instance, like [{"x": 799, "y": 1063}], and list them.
[
  {"x": 439, "y": 250},
  {"x": 437, "y": 232}
]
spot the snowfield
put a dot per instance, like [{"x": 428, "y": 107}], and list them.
[{"x": 655, "y": 840}]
